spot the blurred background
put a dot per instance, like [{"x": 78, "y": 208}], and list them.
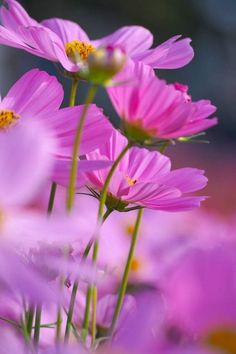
[{"x": 212, "y": 74}]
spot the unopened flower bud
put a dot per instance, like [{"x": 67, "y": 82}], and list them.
[{"x": 104, "y": 63}]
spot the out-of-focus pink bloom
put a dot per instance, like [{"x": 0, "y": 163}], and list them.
[
  {"x": 200, "y": 290},
  {"x": 150, "y": 108},
  {"x": 106, "y": 307},
  {"x": 25, "y": 164},
  {"x": 37, "y": 96},
  {"x": 144, "y": 178},
  {"x": 66, "y": 42}
]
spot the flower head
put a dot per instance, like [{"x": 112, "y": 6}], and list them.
[
  {"x": 151, "y": 109},
  {"x": 143, "y": 178},
  {"x": 66, "y": 42},
  {"x": 37, "y": 97}
]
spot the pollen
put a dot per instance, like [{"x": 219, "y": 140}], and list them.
[
  {"x": 7, "y": 118},
  {"x": 78, "y": 51},
  {"x": 131, "y": 182},
  {"x": 135, "y": 265}
]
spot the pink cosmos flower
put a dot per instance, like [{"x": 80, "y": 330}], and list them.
[
  {"x": 150, "y": 108},
  {"x": 200, "y": 297},
  {"x": 143, "y": 178},
  {"x": 66, "y": 42},
  {"x": 37, "y": 96}
]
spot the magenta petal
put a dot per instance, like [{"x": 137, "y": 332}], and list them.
[
  {"x": 13, "y": 15},
  {"x": 66, "y": 30},
  {"x": 64, "y": 123},
  {"x": 186, "y": 179},
  {"x": 172, "y": 54},
  {"x": 33, "y": 94},
  {"x": 133, "y": 39},
  {"x": 62, "y": 169}
]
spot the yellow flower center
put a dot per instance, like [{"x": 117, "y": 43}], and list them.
[
  {"x": 7, "y": 118},
  {"x": 78, "y": 51},
  {"x": 131, "y": 182},
  {"x": 135, "y": 265},
  {"x": 223, "y": 339}
]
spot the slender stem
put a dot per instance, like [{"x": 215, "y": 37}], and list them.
[
  {"x": 104, "y": 191},
  {"x": 54, "y": 185},
  {"x": 86, "y": 313},
  {"x": 73, "y": 295},
  {"x": 125, "y": 277},
  {"x": 30, "y": 319},
  {"x": 10, "y": 322},
  {"x": 71, "y": 310},
  {"x": 73, "y": 172},
  {"x": 58, "y": 323},
  {"x": 52, "y": 197},
  {"x": 92, "y": 290},
  {"x": 94, "y": 314},
  {"x": 73, "y": 92},
  {"x": 37, "y": 324}
]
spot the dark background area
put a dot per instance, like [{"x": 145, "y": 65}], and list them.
[{"x": 212, "y": 74}]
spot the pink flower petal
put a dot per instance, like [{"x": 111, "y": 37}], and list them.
[{"x": 66, "y": 30}]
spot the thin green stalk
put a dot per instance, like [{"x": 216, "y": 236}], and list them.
[
  {"x": 52, "y": 197},
  {"x": 92, "y": 291},
  {"x": 104, "y": 191},
  {"x": 73, "y": 295},
  {"x": 74, "y": 163},
  {"x": 54, "y": 185},
  {"x": 73, "y": 92},
  {"x": 86, "y": 314},
  {"x": 58, "y": 323},
  {"x": 37, "y": 325},
  {"x": 30, "y": 319},
  {"x": 125, "y": 277},
  {"x": 94, "y": 314}
]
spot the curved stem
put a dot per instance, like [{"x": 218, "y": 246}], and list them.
[
  {"x": 74, "y": 163},
  {"x": 125, "y": 277},
  {"x": 104, "y": 191},
  {"x": 92, "y": 290},
  {"x": 54, "y": 185}
]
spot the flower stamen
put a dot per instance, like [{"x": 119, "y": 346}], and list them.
[
  {"x": 7, "y": 118},
  {"x": 78, "y": 51}
]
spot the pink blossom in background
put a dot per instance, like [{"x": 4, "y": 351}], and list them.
[
  {"x": 150, "y": 108},
  {"x": 49, "y": 38},
  {"x": 144, "y": 178},
  {"x": 37, "y": 96}
]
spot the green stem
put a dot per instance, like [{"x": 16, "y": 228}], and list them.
[
  {"x": 73, "y": 295},
  {"x": 94, "y": 313},
  {"x": 30, "y": 319},
  {"x": 58, "y": 323},
  {"x": 92, "y": 290},
  {"x": 73, "y": 92},
  {"x": 86, "y": 314},
  {"x": 74, "y": 163},
  {"x": 54, "y": 185},
  {"x": 104, "y": 191},
  {"x": 52, "y": 197},
  {"x": 125, "y": 277},
  {"x": 37, "y": 325}
]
